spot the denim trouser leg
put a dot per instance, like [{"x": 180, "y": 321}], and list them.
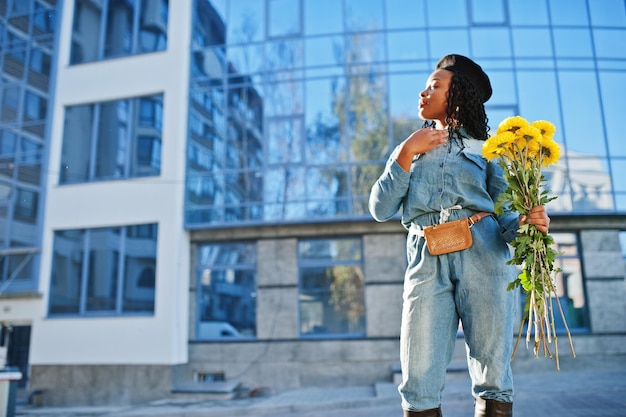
[
  {"x": 427, "y": 334},
  {"x": 470, "y": 285},
  {"x": 487, "y": 315}
]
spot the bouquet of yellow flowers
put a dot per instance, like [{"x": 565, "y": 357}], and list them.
[{"x": 522, "y": 149}]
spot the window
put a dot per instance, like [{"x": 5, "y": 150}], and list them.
[
  {"x": 104, "y": 271},
  {"x": 112, "y": 140},
  {"x": 331, "y": 285},
  {"x": 226, "y": 291},
  {"x": 26, "y": 205},
  {"x": 129, "y": 27}
]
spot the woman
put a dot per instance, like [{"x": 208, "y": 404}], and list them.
[{"x": 436, "y": 175}]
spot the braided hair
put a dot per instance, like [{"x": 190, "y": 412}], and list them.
[{"x": 465, "y": 108}]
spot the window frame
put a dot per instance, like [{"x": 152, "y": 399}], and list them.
[
  {"x": 304, "y": 263},
  {"x": 120, "y": 278}
]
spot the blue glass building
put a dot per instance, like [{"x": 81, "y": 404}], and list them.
[{"x": 184, "y": 185}]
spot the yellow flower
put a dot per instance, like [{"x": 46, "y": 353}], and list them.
[
  {"x": 550, "y": 152},
  {"x": 547, "y": 129},
  {"x": 498, "y": 145},
  {"x": 534, "y": 147},
  {"x": 512, "y": 124},
  {"x": 525, "y": 135}
]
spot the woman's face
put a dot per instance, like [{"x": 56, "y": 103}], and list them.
[{"x": 434, "y": 99}]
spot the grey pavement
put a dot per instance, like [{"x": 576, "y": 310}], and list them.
[{"x": 586, "y": 386}]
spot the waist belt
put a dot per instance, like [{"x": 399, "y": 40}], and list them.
[{"x": 476, "y": 217}]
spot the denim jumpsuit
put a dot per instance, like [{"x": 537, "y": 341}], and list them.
[{"x": 449, "y": 182}]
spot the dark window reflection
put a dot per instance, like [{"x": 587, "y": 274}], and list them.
[
  {"x": 129, "y": 27},
  {"x": 112, "y": 140},
  {"x": 227, "y": 291},
  {"x": 120, "y": 273},
  {"x": 331, "y": 286}
]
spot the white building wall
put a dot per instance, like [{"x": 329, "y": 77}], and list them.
[{"x": 158, "y": 339}]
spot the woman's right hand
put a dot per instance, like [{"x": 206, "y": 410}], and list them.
[{"x": 418, "y": 142}]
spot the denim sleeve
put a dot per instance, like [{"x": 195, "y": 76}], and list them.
[
  {"x": 389, "y": 191},
  {"x": 496, "y": 185}
]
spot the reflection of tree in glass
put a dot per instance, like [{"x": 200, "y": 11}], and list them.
[
  {"x": 363, "y": 114},
  {"x": 347, "y": 294}
]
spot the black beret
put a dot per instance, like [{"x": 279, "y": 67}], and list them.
[{"x": 471, "y": 70}]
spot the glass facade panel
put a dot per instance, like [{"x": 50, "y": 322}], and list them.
[
  {"x": 611, "y": 93},
  {"x": 226, "y": 279},
  {"x": 607, "y": 13},
  {"x": 331, "y": 284},
  {"x": 609, "y": 43},
  {"x": 323, "y": 17},
  {"x": 528, "y": 12},
  {"x": 572, "y": 43},
  {"x": 489, "y": 12},
  {"x": 407, "y": 45},
  {"x": 112, "y": 140},
  {"x": 246, "y": 22},
  {"x": 27, "y": 58},
  {"x": 284, "y": 18},
  {"x": 403, "y": 14},
  {"x": 116, "y": 28},
  {"x": 334, "y": 93},
  {"x": 456, "y": 14},
  {"x": 105, "y": 271},
  {"x": 532, "y": 43},
  {"x": 582, "y": 116},
  {"x": 571, "y": 12},
  {"x": 491, "y": 42},
  {"x": 363, "y": 15}
]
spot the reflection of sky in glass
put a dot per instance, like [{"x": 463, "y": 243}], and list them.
[
  {"x": 450, "y": 13},
  {"x": 528, "y": 12},
  {"x": 405, "y": 14},
  {"x": 404, "y": 92},
  {"x": 487, "y": 11},
  {"x": 284, "y": 17},
  {"x": 323, "y": 16},
  {"x": 364, "y": 15},
  {"x": 503, "y": 84},
  {"x": 539, "y": 98},
  {"x": 610, "y": 43},
  {"x": 613, "y": 86},
  {"x": 570, "y": 12},
  {"x": 572, "y": 43},
  {"x": 532, "y": 43},
  {"x": 490, "y": 42},
  {"x": 448, "y": 41},
  {"x": 581, "y": 112},
  {"x": 607, "y": 13},
  {"x": 407, "y": 45}
]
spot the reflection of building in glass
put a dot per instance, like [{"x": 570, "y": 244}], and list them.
[
  {"x": 585, "y": 187},
  {"x": 225, "y": 145},
  {"x": 248, "y": 134}
]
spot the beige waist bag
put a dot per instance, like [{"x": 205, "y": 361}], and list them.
[{"x": 451, "y": 236}]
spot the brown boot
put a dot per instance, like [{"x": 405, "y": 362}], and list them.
[
  {"x": 433, "y": 412},
  {"x": 492, "y": 408}
]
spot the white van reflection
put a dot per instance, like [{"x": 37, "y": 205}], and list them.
[{"x": 217, "y": 330}]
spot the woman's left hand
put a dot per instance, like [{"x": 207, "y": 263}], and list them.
[{"x": 537, "y": 216}]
